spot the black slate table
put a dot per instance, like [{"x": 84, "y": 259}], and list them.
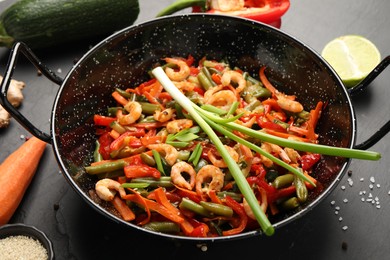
[{"x": 343, "y": 226}]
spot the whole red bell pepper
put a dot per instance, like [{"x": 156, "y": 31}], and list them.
[{"x": 266, "y": 11}]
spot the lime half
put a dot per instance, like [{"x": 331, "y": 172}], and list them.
[{"x": 353, "y": 57}]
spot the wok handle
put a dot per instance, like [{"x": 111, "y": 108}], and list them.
[
  {"x": 359, "y": 88},
  {"x": 20, "y": 47}
]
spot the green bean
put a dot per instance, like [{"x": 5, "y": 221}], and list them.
[
  {"x": 117, "y": 127},
  {"x": 281, "y": 123},
  {"x": 289, "y": 204},
  {"x": 255, "y": 104},
  {"x": 97, "y": 157},
  {"x": 183, "y": 155},
  {"x": 217, "y": 209},
  {"x": 164, "y": 181},
  {"x": 301, "y": 189},
  {"x": 204, "y": 81},
  {"x": 149, "y": 108},
  {"x": 202, "y": 162},
  {"x": 163, "y": 227},
  {"x": 147, "y": 159},
  {"x": 283, "y": 181},
  {"x": 233, "y": 195},
  {"x": 111, "y": 111},
  {"x": 105, "y": 167},
  {"x": 194, "y": 207},
  {"x": 255, "y": 91},
  {"x": 147, "y": 119},
  {"x": 208, "y": 75},
  {"x": 124, "y": 93},
  {"x": 251, "y": 79},
  {"x": 135, "y": 185},
  {"x": 111, "y": 175}
]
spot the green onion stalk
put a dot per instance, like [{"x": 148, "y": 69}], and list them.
[
  {"x": 235, "y": 170},
  {"x": 209, "y": 118}
]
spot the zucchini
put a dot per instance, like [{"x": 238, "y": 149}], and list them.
[{"x": 44, "y": 23}]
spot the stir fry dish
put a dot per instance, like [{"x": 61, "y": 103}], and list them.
[{"x": 159, "y": 168}]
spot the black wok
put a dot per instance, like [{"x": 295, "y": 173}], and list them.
[{"x": 121, "y": 60}]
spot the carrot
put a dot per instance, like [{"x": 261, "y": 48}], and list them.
[
  {"x": 121, "y": 206},
  {"x": 119, "y": 98},
  {"x": 266, "y": 82},
  {"x": 16, "y": 173}
]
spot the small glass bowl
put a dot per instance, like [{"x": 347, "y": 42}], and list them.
[{"x": 29, "y": 231}]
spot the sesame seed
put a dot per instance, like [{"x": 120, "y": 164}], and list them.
[
  {"x": 343, "y": 187},
  {"x": 345, "y": 228},
  {"x": 345, "y": 200},
  {"x": 340, "y": 218},
  {"x": 21, "y": 247},
  {"x": 334, "y": 202},
  {"x": 378, "y": 206},
  {"x": 337, "y": 208},
  {"x": 361, "y": 179},
  {"x": 372, "y": 179}
]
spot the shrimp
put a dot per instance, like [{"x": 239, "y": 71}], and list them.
[
  {"x": 210, "y": 92},
  {"x": 220, "y": 162},
  {"x": 182, "y": 74},
  {"x": 209, "y": 178},
  {"x": 176, "y": 126},
  {"x": 235, "y": 76},
  {"x": 135, "y": 110},
  {"x": 223, "y": 99},
  {"x": 275, "y": 149},
  {"x": 177, "y": 175},
  {"x": 170, "y": 152},
  {"x": 263, "y": 205},
  {"x": 163, "y": 116},
  {"x": 185, "y": 85},
  {"x": 289, "y": 104},
  {"x": 107, "y": 188}
]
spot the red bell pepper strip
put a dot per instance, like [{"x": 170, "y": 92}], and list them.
[
  {"x": 103, "y": 120},
  {"x": 239, "y": 210},
  {"x": 266, "y": 11},
  {"x": 308, "y": 160},
  {"x": 105, "y": 142}
]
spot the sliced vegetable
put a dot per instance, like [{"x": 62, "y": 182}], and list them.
[
  {"x": 267, "y": 11},
  {"x": 16, "y": 173},
  {"x": 43, "y": 23}
]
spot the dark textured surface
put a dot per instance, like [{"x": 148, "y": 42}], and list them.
[{"x": 79, "y": 232}]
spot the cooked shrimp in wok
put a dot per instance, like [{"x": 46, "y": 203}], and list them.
[{"x": 156, "y": 160}]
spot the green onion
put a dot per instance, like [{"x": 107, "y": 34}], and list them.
[
  {"x": 195, "y": 156},
  {"x": 233, "y": 109},
  {"x": 233, "y": 167},
  {"x": 214, "y": 109}
]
